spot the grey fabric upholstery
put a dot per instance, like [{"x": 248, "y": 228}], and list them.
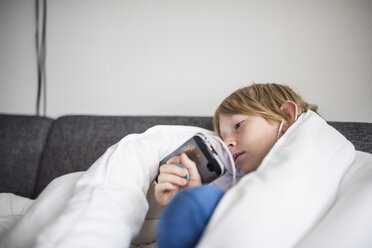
[
  {"x": 359, "y": 133},
  {"x": 35, "y": 150},
  {"x": 22, "y": 141},
  {"x": 75, "y": 142}
]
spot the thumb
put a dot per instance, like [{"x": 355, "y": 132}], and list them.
[{"x": 191, "y": 167}]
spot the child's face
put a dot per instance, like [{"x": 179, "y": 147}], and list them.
[{"x": 249, "y": 138}]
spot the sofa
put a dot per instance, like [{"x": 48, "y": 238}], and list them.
[{"x": 35, "y": 150}]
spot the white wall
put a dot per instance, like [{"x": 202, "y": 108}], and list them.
[
  {"x": 17, "y": 57},
  {"x": 176, "y": 57}
]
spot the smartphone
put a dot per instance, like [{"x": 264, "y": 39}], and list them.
[{"x": 200, "y": 150}]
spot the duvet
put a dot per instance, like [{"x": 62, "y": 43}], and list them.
[
  {"x": 104, "y": 206},
  {"x": 312, "y": 190}
]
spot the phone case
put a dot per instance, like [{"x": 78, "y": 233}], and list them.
[{"x": 199, "y": 150}]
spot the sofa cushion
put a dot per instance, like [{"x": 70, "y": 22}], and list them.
[
  {"x": 22, "y": 140},
  {"x": 359, "y": 133},
  {"x": 75, "y": 142}
]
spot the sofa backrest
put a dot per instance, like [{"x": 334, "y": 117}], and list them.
[
  {"x": 22, "y": 141},
  {"x": 359, "y": 133},
  {"x": 75, "y": 142}
]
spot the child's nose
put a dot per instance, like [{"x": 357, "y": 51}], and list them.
[{"x": 230, "y": 141}]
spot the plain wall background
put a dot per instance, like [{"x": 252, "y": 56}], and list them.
[{"x": 177, "y": 57}]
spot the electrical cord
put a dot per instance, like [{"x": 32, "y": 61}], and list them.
[
  {"x": 40, "y": 43},
  {"x": 231, "y": 159}
]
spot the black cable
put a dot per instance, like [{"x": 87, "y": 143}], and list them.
[
  {"x": 41, "y": 55},
  {"x": 37, "y": 57},
  {"x": 43, "y": 44}
]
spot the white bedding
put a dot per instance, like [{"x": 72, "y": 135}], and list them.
[
  {"x": 12, "y": 208},
  {"x": 312, "y": 190},
  {"x": 106, "y": 205}
]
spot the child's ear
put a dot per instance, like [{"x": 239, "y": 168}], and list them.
[{"x": 291, "y": 109}]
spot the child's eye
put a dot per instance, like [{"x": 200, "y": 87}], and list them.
[{"x": 238, "y": 125}]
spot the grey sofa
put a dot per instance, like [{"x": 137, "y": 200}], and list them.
[{"x": 35, "y": 150}]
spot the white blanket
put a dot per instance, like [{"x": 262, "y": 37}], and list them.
[
  {"x": 311, "y": 190},
  {"x": 105, "y": 206}
]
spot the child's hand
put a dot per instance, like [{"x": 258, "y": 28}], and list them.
[
  {"x": 171, "y": 178},
  {"x": 195, "y": 179}
]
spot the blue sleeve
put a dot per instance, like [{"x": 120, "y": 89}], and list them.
[{"x": 184, "y": 219}]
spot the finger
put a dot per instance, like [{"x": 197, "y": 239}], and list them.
[
  {"x": 172, "y": 169},
  {"x": 173, "y": 160},
  {"x": 189, "y": 164},
  {"x": 173, "y": 179},
  {"x": 165, "y": 192},
  {"x": 163, "y": 187}
]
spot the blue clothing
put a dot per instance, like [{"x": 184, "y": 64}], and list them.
[{"x": 184, "y": 219}]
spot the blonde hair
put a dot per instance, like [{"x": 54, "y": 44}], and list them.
[{"x": 262, "y": 100}]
